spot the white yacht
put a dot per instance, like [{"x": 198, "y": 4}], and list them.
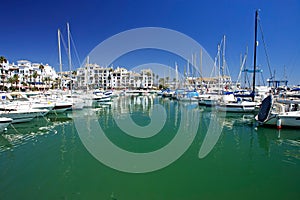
[
  {"x": 281, "y": 112},
  {"x": 77, "y": 102},
  {"x": 21, "y": 100},
  {"x": 4, "y": 122},
  {"x": 208, "y": 100},
  {"x": 229, "y": 103},
  {"x": 19, "y": 115},
  {"x": 99, "y": 96}
]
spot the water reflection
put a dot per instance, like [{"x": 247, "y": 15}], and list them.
[
  {"x": 125, "y": 105},
  {"x": 288, "y": 140},
  {"x": 173, "y": 137},
  {"x": 19, "y": 134}
]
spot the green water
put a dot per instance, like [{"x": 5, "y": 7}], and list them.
[{"x": 45, "y": 159}]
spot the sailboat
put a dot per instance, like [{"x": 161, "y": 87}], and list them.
[
  {"x": 76, "y": 102},
  {"x": 213, "y": 93},
  {"x": 279, "y": 112},
  {"x": 237, "y": 104}
]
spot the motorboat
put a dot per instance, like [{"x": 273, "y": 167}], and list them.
[
  {"x": 19, "y": 115},
  {"x": 4, "y": 122},
  {"x": 279, "y": 112},
  {"x": 229, "y": 103}
]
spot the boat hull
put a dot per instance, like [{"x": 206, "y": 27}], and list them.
[
  {"x": 4, "y": 122},
  {"x": 60, "y": 108},
  {"x": 25, "y": 116},
  {"x": 286, "y": 120},
  {"x": 236, "y": 108}
]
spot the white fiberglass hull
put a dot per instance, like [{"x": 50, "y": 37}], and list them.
[
  {"x": 61, "y": 107},
  {"x": 290, "y": 119},
  {"x": 105, "y": 99},
  {"x": 237, "y": 107},
  {"x": 188, "y": 99},
  {"x": 20, "y": 116},
  {"x": 208, "y": 102},
  {"x": 4, "y": 122}
]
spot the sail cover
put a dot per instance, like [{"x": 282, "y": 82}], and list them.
[{"x": 265, "y": 109}]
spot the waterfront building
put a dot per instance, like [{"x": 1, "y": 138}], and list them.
[
  {"x": 28, "y": 75},
  {"x": 96, "y": 76},
  {"x": 24, "y": 74}
]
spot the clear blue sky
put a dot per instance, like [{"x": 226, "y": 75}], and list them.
[{"x": 29, "y": 27}]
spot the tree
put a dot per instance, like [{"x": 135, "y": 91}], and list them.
[
  {"x": 3, "y": 60},
  {"x": 35, "y": 75},
  {"x": 11, "y": 80},
  {"x": 56, "y": 83},
  {"x": 16, "y": 79},
  {"x": 167, "y": 80},
  {"x": 25, "y": 79},
  {"x": 41, "y": 67},
  {"x": 29, "y": 82},
  {"x": 161, "y": 81},
  {"x": 47, "y": 80}
]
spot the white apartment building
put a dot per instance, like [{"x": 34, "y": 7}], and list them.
[
  {"x": 28, "y": 73},
  {"x": 96, "y": 76}
]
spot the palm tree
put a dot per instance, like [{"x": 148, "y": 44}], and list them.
[
  {"x": 47, "y": 80},
  {"x": 41, "y": 67},
  {"x": 11, "y": 80},
  {"x": 57, "y": 83},
  {"x": 25, "y": 79},
  {"x": 167, "y": 80},
  {"x": 35, "y": 75},
  {"x": 44, "y": 80},
  {"x": 29, "y": 82},
  {"x": 3, "y": 60},
  {"x": 161, "y": 81},
  {"x": 16, "y": 79}
]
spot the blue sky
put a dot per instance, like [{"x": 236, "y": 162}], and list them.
[{"x": 29, "y": 28}]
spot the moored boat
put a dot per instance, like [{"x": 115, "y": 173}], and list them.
[
  {"x": 61, "y": 106},
  {"x": 230, "y": 103},
  {"x": 279, "y": 113},
  {"x": 4, "y": 122},
  {"x": 22, "y": 115}
]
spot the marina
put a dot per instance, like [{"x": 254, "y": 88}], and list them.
[
  {"x": 157, "y": 100},
  {"x": 47, "y": 153}
]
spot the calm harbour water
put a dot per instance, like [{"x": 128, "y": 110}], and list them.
[{"x": 45, "y": 159}]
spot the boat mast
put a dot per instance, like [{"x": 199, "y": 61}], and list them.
[
  {"x": 176, "y": 76},
  {"x": 69, "y": 55},
  {"x": 201, "y": 65},
  {"x": 87, "y": 72},
  {"x": 223, "y": 57},
  {"x": 255, "y": 45},
  {"x": 219, "y": 69},
  {"x": 59, "y": 56}
]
